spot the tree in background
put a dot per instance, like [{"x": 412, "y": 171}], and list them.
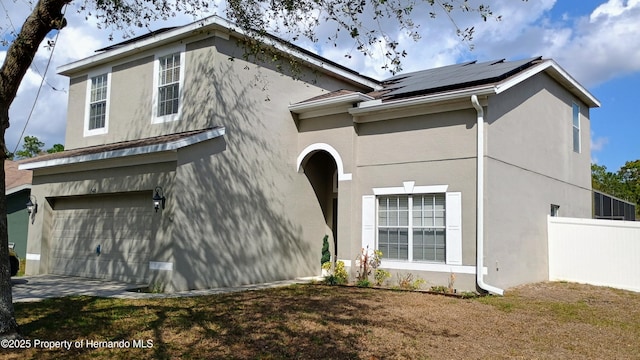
[
  {"x": 32, "y": 147},
  {"x": 605, "y": 181},
  {"x": 630, "y": 175},
  {"x": 55, "y": 148},
  {"x": 623, "y": 184},
  {"x": 299, "y": 18}
]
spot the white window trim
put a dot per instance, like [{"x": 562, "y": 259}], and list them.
[
  {"x": 155, "y": 119},
  {"x": 575, "y": 105},
  {"x": 409, "y": 188},
  {"x": 87, "y": 111},
  {"x": 453, "y": 262}
]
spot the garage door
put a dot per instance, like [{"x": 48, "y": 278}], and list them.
[{"x": 105, "y": 237}]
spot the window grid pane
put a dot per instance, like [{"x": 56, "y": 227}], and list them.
[
  {"x": 98, "y": 102},
  {"x": 393, "y": 222},
  {"x": 425, "y": 234},
  {"x": 97, "y": 115},
  {"x": 169, "y": 85}
]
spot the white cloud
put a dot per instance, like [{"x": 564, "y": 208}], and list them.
[
  {"x": 594, "y": 48},
  {"x": 606, "y": 45},
  {"x": 598, "y": 142},
  {"x": 612, "y": 8}
]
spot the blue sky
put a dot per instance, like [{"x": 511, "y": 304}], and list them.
[{"x": 596, "y": 41}]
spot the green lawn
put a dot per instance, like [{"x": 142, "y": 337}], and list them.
[{"x": 543, "y": 321}]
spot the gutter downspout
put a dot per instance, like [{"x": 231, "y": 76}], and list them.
[{"x": 480, "y": 203}]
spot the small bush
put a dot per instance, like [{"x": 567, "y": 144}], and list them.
[
  {"x": 367, "y": 261},
  {"x": 439, "y": 289},
  {"x": 331, "y": 280},
  {"x": 469, "y": 295},
  {"x": 339, "y": 275},
  {"x": 363, "y": 283},
  {"x": 380, "y": 276},
  {"x": 326, "y": 266},
  {"x": 326, "y": 255},
  {"x": 407, "y": 282}
]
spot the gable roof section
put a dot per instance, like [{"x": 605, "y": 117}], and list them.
[
  {"x": 15, "y": 179},
  {"x": 209, "y": 27},
  {"x": 484, "y": 82},
  {"x": 123, "y": 149},
  {"x": 453, "y": 77},
  {"x": 448, "y": 83}
]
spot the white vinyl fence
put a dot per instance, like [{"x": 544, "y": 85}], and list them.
[{"x": 597, "y": 252}]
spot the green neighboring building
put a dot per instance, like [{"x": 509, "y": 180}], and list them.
[{"x": 18, "y": 189}]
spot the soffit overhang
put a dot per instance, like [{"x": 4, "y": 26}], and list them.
[
  {"x": 381, "y": 108},
  {"x": 123, "y": 151}
]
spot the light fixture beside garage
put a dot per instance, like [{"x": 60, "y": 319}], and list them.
[
  {"x": 158, "y": 198},
  {"x": 32, "y": 207}
]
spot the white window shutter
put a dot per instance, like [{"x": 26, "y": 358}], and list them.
[
  {"x": 368, "y": 221},
  {"x": 454, "y": 228}
]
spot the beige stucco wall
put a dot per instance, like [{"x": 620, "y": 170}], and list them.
[
  {"x": 89, "y": 185},
  {"x": 530, "y": 164},
  {"x": 238, "y": 211},
  {"x": 435, "y": 149},
  {"x": 216, "y": 79}
]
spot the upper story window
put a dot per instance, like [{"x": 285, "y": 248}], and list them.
[
  {"x": 168, "y": 84},
  {"x": 576, "y": 128},
  {"x": 97, "y": 112}
]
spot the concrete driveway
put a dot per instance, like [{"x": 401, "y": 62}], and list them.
[
  {"x": 36, "y": 288},
  {"x": 39, "y": 287}
]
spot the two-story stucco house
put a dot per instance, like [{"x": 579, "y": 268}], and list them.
[{"x": 191, "y": 166}]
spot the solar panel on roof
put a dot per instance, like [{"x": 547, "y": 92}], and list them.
[{"x": 453, "y": 76}]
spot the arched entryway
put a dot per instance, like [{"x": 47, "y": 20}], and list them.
[{"x": 323, "y": 167}]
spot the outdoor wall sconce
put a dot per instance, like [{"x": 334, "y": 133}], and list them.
[
  {"x": 158, "y": 198},
  {"x": 32, "y": 207}
]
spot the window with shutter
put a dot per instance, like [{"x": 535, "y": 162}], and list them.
[{"x": 414, "y": 227}]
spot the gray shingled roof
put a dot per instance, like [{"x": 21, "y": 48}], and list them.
[
  {"x": 453, "y": 77},
  {"x": 116, "y": 146}
]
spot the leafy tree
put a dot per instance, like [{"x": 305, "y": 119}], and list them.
[
  {"x": 31, "y": 147},
  {"x": 55, "y": 148},
  {"x": 630, "y": 175},
  {"x": 299, "y": 18},
  {"x": 623, "y": 184},
  {"x": 606, "y": 181}
]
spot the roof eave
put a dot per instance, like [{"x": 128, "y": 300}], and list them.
[
  {"x": 121, "y": 153},
  {"x": 17, "y": 189},
  {"x": 557, "y": 73},
  {"x": 368, "y": 107},
  {"x": 346, "y": 99},
  {"x": 214, "y": 23}
]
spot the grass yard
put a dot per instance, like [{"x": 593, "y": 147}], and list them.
[{"x": 539, "y": 321}]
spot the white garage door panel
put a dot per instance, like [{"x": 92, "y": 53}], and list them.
[{"x": 122, "y": 225}]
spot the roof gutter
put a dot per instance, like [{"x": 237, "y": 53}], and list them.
[
  {"x": 347, "y": 99},
  {"x": 480, "y": 203},
  {"x": 368, "y": 107}
]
